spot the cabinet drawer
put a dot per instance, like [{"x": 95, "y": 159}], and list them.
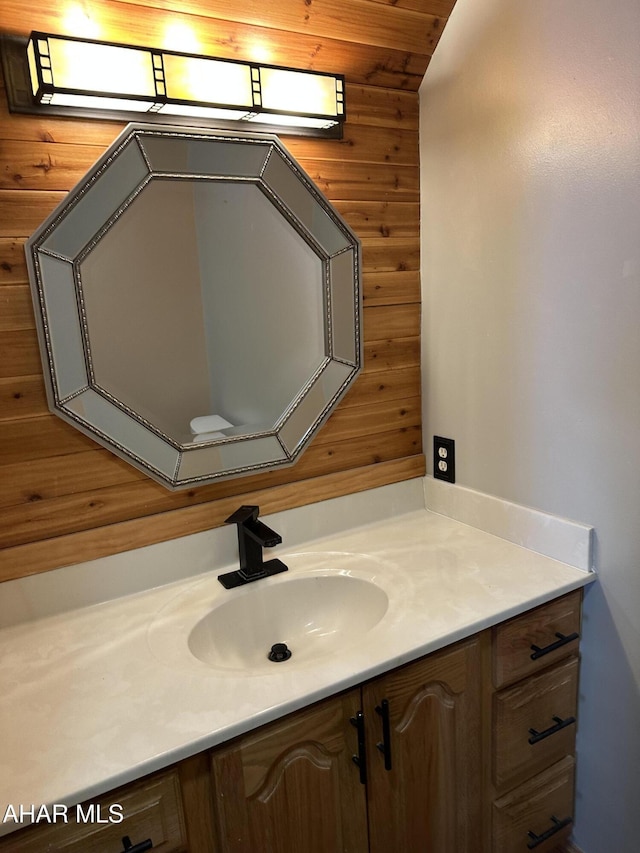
[
  {"x": 535, "y": 723},
  {"x": 528, "y": 643},
  {"x": 151, "y": 809},
  {"x": 538, "y": 815}
]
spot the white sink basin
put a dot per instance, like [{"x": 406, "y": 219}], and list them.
[{"x": 314, "y": 614}]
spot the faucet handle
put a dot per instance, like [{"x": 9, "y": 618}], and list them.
[
  {"x": 243, "y": 514},
  {"x": 253, "y": 536}
]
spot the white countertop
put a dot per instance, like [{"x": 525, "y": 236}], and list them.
[{"x": 99, "y": 696}]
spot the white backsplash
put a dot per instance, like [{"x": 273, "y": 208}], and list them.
[
  {"x": 560, "y": 538},
  {"x": 84, "y": 584}
]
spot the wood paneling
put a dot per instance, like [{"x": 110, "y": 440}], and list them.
[
  {"x": 44, "y": 554},
  {"x": 19, "y": 355},
  {"x": 22, "y": 397},
  {"x": 16, "y": 311},
  {"x": 13, "y": 266},
  {"x": 63, "y": 498},
  {"x": 374, "y": 23},
  {"x": 385, "y": 287},
  {"x": 341, "y": 51}
]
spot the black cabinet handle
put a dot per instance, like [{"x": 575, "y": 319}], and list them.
[
  {"x": 557, "y": 826},
  {"x": 385, "y": 747},
  {"x": 562, "y": 640},
  {"x": 128, "y": 847},
  {"x": 361, "y": 758},
  {"x": 559, "y": 725}
]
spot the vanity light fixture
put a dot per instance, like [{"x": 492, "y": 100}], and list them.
[{"x": 70, "y": 76}]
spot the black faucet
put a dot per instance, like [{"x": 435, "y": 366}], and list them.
[{"x": 253, "y": 536}]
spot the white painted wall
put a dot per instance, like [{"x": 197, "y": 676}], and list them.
[{"x": 530, "y": 145}]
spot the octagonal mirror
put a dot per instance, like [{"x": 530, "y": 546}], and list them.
[{"x": 198, "y": 304}]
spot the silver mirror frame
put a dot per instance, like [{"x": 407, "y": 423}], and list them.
[{"x": 55, "y": 254}]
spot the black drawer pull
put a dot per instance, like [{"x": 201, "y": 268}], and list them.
[
  {"x": 385, "y": 747},
  {"x": 562, "y": 640},
  {"x": 128, "y": 847},
  {"x": 557, "y": 826},
  {"x": 559, "y": 725},
  {"x": 361, "y": 758}
]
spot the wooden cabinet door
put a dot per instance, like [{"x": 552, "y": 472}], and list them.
[
  {"x": 292, "y": 785},
  {"x": 430, "y": 800}
]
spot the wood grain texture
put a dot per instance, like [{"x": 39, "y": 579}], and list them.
[
  {"x": 16, "y": 309},
  {"x": 19, "y": 353},
  {"x": 340, "y": 51},
  {"x": 291, "y": 786},
  {"x": 42, "y": 555},
  {"x": 79, "y": 502},
  {"x": 538, "y": 627},
  {"x": 367, "y": 22},
  {"x": 43, "y": 482},
  {"x": 22, "y": 397},
  {"x": 533, "y": 723},
  {"x": 535, "y": 704},
  {"x": 151, "y": 807},
  {"x": 13, "y": 264},
  {"x": 64, "y": 498},
  {"x": 385, "y": 287},
  {"x": 528, "y": 809},
  {"x": 197, "y": 794},
  {"x": 430, "y": 797}
]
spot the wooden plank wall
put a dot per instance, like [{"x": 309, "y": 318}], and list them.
[{"x": 63, "y": 499}]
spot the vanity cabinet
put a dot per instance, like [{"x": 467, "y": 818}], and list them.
[
  {"x": 534, "y": 717},
  {"x": 393, "y": 765},
  {"x": 467, "y": 750}
]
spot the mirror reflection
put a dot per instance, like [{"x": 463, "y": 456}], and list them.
[{"x": 208, "y": 274}]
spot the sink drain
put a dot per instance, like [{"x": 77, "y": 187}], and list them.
[{"x": 279, "y": 652}]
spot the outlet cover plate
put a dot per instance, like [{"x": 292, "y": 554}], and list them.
[{"x": 444, "y": 459}]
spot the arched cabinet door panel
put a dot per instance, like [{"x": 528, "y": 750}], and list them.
[
  {"x": 425, "y": 776},
  {"x": 293, "y": 786}
]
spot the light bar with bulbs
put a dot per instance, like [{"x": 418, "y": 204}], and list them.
[{"x": 73, "y": 76}]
